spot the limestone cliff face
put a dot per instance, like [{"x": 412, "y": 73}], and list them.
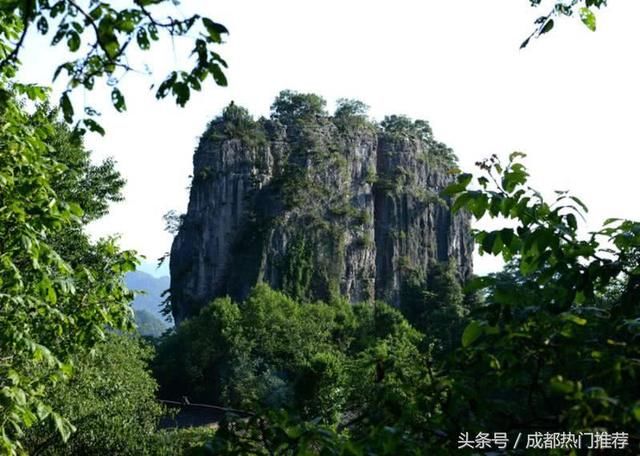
[{"x": 316, "y": 206}]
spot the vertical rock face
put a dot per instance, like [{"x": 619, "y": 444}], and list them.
[
  {"x": 413, "y": 225},
  {"x": 316, "y": 206}
]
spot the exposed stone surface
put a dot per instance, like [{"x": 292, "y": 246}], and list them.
[{"x": 317, "y": 208}]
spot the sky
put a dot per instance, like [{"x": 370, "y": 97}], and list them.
[{"x": 570, "y": 100}]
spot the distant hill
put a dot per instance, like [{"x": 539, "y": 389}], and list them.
[
  {"x": 148, "y": 324},
  {"x": 153, "y": 269},
  {"x": 148, "y": 301}
]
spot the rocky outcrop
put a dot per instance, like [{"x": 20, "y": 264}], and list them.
[{"x": 317, "y": 206}]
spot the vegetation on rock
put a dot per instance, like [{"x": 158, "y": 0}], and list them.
[{"x": 303, "y": 200}]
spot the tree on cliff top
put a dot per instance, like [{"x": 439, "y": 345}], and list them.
[{"x": 290, "y": 107}]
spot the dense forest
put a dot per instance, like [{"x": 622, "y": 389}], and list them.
[{"x": 345, "y": 318}]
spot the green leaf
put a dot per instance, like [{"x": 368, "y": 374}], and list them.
[
  {"x": 463, "y": 181},
  {"x": 67, "y": 108},
  {"x": 167, "y": 85},
  {"x": 42, "y": 25},
  {"x": 461, "y": 201},
  {"x": 479, "y": 205},
  {"x": 588, "y": 18},
  {"x": 561, "y": 385},
  {"x": 293, "y": 432},
  {"x": 214, "y": 29},
  {"x": 580, "y": 203},
  {"x": 63, "y": 426},
  {"x": 73, "y": 41},
  {"x": 58, "y": 8},
  {"x": 574, "y": 319},
  {"x": 218, "y": 75},
  {"x": 118, "y": 100},
  {"x": 143, "y": 39},
  {"x": 94, "y": 126},
  {"x": 471, "y": 333},
  {"x": 478, "y": 283},
  {"x": 547, "y": 27},
  {"x": 75, "y": 208},
  {"x": 181, "y": 91},
  {"x": 489, "y": 241},
  {"x": 42, "y": 410},
  {"x": 507, "y": 236}
]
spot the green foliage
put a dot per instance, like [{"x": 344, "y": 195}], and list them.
[
  {"x": 237, "y": 123},
  {"x": 277, "y": 432},
  {"x": 199, "y": 347},
  {"x": 292, "y": 107},
  {"x": 181, "y": 441},
  {"x": 297, "y": 269},
  {"x": 316, "y": 360},
  {"x": 103, "y": 35},
  {"x": 110, "y": 401},
  {"x": 374, "y": 382},
  {"x": 555, "y": 336},
  {"x": 400, "y": 128},
  {"x": 404, "y": 127},
  {"x": 58, "y": 291},
  {"x": 248, "y": 354},
  {"x": 92, "y": 186},
  {"x": 350, "y": 108},
  {"x": 435, "y": 305},
  {"x": 351, "y": 116},
  {"x": 546, "y": 22}
]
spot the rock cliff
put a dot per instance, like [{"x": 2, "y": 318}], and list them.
[{"x": 315, "y": 205}]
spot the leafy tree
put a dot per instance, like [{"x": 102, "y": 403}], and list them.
[
  {"x": 555, "y": 337},
  {"x": 292, "y": 107},
  {"x": 386, "y": 370},
  {"x": 58, "y": 291},
  {"x": 188, "y": 360},
  {"x": 93, "y": 186},
  {"x": 110, "y": 400},
  {"x": 247, "y": 354},
  {"x": 398, "y": 127},
  {"x": 403, "y": 126},
  {"x": 436, "y": 305},
  {"x": 315, "y": 360},
  {"x": 351, "y": 115},
  {"x": 52, "y": 304},
  {"x": 350, "y": 108},
  {"x": 236, "y": 122}
]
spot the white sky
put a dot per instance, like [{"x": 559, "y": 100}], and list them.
[{"x": 570, "y": 100}]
